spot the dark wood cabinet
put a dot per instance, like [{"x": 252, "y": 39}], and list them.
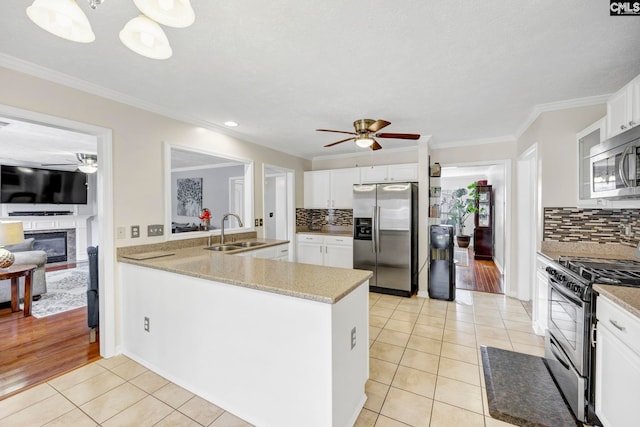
[{"x": 483, "y": 233}]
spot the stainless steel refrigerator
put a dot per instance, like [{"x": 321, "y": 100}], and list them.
[{"x": 385, "y": 237}]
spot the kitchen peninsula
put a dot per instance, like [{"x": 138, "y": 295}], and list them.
[{"x": 276, "y": 343}]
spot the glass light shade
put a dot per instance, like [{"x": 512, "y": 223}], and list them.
[
  {"x": 172, "y": 13},
  {"x": 145, "y": 37},
  {"x": 64, "y": 18},
  {"x": 88, "y": 168},
  {"x": 364, "y": 141}
]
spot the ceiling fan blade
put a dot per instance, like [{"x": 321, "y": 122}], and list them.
[
  {"x": 336, "y": 131},
  {"x": 375, "y": 145},
  {"x": 377, "y": 125},
  {"x": 398, "y": 135},
  {"x": 338, "y": 142}
]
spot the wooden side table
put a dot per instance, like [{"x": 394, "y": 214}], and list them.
[{"x": 14, "y": 273}]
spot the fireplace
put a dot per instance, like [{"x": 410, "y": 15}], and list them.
[{"x": 55, "y": 243}]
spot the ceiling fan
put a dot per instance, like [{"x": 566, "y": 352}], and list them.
[
  {"x": 87, "y": 163},
  {"x": 365, "y": 131}
]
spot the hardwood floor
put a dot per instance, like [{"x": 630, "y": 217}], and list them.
[
  {"x": 33, "y": 350},
  {"x": 479, "y": 275}
]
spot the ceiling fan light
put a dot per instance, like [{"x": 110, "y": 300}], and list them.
[
  {"x": 63, "y": 18},
  {"x": 364, "y": 141},
  {"x": 88, "y": 168},
  {"x": 145, "y": 37},
  {"x": 172, "y": 13}
]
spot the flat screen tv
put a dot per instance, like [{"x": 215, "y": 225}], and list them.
[{"x": 21, "y": 184}]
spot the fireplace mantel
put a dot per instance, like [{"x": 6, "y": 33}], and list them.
[{"x": 58, "y": 222}]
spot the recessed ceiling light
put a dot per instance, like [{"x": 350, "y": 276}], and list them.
[{"x": 230, "y": 124}]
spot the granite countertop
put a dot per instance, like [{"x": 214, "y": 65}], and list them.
[
  {"x": 626, "y": 297},
  {"x": 312, "y": 282},
  {"x": 553, "y": 250}
]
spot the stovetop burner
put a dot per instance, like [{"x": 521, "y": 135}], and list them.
[{"x": 619, "y": 272}]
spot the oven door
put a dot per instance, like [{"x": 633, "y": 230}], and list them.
[{"x": 566, "y": 323}]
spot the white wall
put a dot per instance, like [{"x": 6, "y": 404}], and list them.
[
  {"x": 215, "y": 192},
  {"x": 138, "y": 138},
  {"x": 365, "y": 157}
]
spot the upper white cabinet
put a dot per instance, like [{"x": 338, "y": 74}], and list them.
[
  {"x": 591, "y": 136},
  {"x": 623, "y": 108},
  {"x": 330, "y": 189},
  {"x": 389, "y": 173},
  {"x": 617, "y": 377}
]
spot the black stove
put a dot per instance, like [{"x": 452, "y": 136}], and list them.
[{"x": 618, "y": 272}]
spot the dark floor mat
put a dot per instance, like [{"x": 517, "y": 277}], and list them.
[{"x": 520, "y": 390}]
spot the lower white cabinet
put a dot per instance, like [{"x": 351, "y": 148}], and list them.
[
  {"x": 280, "y": 252},
  {"x": 331, "y": 251},
  {"x": 617, "y": 365},
  {"x": 541, "y": 296}
]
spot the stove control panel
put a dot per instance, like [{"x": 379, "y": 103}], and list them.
[{"x": 567, "y": 281}]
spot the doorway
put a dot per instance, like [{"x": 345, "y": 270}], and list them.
[
  {"x": 100, "y": 232},
  {"x": 485, "y": 275},
  {"x": 278, "y": 203}
]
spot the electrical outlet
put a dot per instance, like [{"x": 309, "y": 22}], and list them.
[
  {"x": 353, "y": 338},
  {"x": 121, "y": 233},
  {"x": 146, "y": 323},
  {"x": 256, "y": 222},
  {"x": 155, "y": 230},
  {"x": 260, "y": 222},
  {"x": 135, "y": 231}
]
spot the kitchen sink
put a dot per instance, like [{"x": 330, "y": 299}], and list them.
[
  {"x": 235, "y": 246},
  {"x": 224, "y": 248},
  {"x": 249, "y": 244}
]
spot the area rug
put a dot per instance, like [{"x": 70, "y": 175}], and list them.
[{"x": 66, "y": 290}]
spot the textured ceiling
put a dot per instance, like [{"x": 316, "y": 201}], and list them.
[{"x": 456, "y": 70}]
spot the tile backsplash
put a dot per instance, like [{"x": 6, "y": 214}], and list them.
[
  {"x": 320, "y": 217},
  {"x": 592, "y": 225}
]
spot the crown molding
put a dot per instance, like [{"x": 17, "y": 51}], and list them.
[
  {"x": 557, "y": 106},
  {"x": 47, "y": 74}
]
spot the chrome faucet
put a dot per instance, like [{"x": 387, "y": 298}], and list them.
[{"x": 224, "y": 217}]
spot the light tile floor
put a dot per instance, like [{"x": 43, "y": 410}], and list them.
[
  {"x": 425, "y": 371},
  {"x": 425, "y": 365}
]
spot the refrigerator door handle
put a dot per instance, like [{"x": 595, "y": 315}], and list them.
[
  {"x": 373, "y": 229},
  {"x": 378, "y": 243}
]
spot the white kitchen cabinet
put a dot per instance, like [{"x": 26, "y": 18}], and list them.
[
  {"x": 589, "y": 137},
  {"x": 330, "y": 251},
  {"x": 280, "y": 252},
  {"x": 617, "y": 377},
  {"x": 330, "y": 189},
  {"x": 389, "y": 173},
  {"x": 541, "y": 296},
  {"x": 338, "y": 251},
  {"x": 623, "y": 108}
]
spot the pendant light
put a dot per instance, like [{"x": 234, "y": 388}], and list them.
[
  {"x": 64, "y": 18},
  {"x": 172, "y": 13},
  {"x": 145, "y": 37}
]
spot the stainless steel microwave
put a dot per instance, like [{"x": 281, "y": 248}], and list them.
[{"x": 615, "y": 167}]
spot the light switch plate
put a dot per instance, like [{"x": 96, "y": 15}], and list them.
[{"x": 155, "y": 230}]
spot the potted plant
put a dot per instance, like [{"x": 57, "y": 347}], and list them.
[{"x": 461, "y": 205}]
